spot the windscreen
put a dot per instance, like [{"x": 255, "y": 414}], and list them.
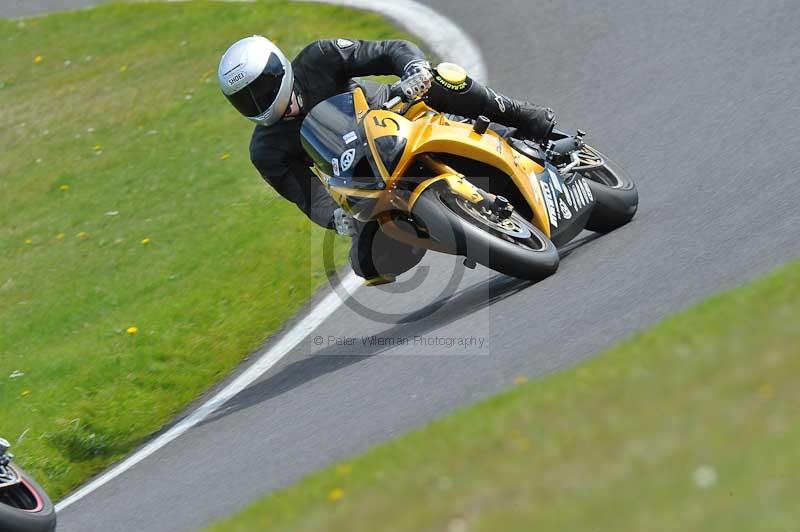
[{"x": 333, "y": 139}]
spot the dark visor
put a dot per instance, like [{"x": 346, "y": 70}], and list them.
[{"x": 259, "y": 94}]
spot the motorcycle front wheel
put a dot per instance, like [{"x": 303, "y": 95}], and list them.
[
  {"x": 512, "y": 246},
  {"x": 25, "y": 507}
]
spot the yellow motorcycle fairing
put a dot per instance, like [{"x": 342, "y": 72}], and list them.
[{"x": 421, "y": 130}]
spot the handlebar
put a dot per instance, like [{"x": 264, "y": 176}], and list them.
[
  {"x": 392, "y": 103},
  {"x": 409, "y": 89}
]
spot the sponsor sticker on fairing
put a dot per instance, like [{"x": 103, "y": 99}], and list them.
[
  {"x": 568, "y": 195},
  {"x": 350, "y": 137},
  {"x": 588, "y": 190},
  {"x": 551, "y": 206},
  {"x": 347, "y": 159},
  {"x": 580, "y": 201},
  {"x": 335, "y": 164},
  {"x": 554, "y": 179},
  {"x": 565, "y": 212}
]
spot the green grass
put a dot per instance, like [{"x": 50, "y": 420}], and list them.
[
  {"x": 691, "y": 425},
  {"x": 127, "y": 199}
]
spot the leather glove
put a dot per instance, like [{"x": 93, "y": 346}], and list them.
[
  {"x": 416, "y": 80},
  {"x": 535, "y": 122}
]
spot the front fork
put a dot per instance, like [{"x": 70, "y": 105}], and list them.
[
  {"x": 402, "y": 227},
  {"x": 461, "y": 187}
]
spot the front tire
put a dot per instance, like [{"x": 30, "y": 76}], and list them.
[
  {"x": 515, "y": 248},
  {"x": 615, "y": 194},
  {"x": 25, "y": 507}
]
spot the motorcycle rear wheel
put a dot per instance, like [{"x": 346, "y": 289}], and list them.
[
  {"x": 515, "y": 248},
  {"x": 25, "y": 507},
  {"x": 615, "y": 194}
]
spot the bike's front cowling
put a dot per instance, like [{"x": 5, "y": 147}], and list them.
[{"x": 24, "y": 505}]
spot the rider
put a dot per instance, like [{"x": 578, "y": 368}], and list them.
[{"x": 261, "y": 83}]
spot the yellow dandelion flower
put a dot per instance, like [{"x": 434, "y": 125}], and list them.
[
  {"x": 224, "y": 156},
  {"x": 83, "y": 234},
  {"x": 60, "y": 236},
  {"x": 766, "y": 391},
  {"x": 38, "y": 59},
  {"x": 133, "y": 329},
  {"x": 123, "y": 68},
  {"x": 335, "y": 494},
  {"x": 25, "y": 393},
  {"x": 28, "y": 241},
  {"x": 64, "y": 187},
  {"x": 97, "y": 147},
  {"x": 520, "y": 380},
  {"x": 519, "y": 441},
  {"x": 145, "y": 241}
]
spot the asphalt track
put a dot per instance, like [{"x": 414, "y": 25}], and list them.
[{"x": 697, "y": 100}]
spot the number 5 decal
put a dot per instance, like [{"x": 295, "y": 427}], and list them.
[{"x": 382, "y": 122}]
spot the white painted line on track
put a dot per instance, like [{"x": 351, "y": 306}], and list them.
[
  {"x": 450, "y": 43},
  {"x": 296, "y": 334},
  {"x": 444, "y": 37}
]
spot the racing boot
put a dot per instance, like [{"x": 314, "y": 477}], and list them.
[
  {"x": 534, "y": 122},
  {"x": 378, "y": 258},
  {"x": 379, "y": 280}
]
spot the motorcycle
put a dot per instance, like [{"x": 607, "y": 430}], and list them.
[
  {"x": 24, "y": 505},
  {"x": 437, "y": 183}
]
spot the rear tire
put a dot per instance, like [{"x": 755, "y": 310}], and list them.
[
  {"x": 522, "y": 251},
  {"x": 615, "y": 194},
  {"x": 41, "y": 518}
]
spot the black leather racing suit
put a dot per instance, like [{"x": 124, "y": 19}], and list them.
[{"x": 324, "y": 69}]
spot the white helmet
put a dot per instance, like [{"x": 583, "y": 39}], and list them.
[{"x": 257, "y": 79}]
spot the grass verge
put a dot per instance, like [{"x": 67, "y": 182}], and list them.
[
  {"x": 691, "y": 425},
  {"x": 141, "y": 255}
]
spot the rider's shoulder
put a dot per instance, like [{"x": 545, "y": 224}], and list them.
[
  {"x": 313, "y": 53},
  {"x": 326, "y": 47}
]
